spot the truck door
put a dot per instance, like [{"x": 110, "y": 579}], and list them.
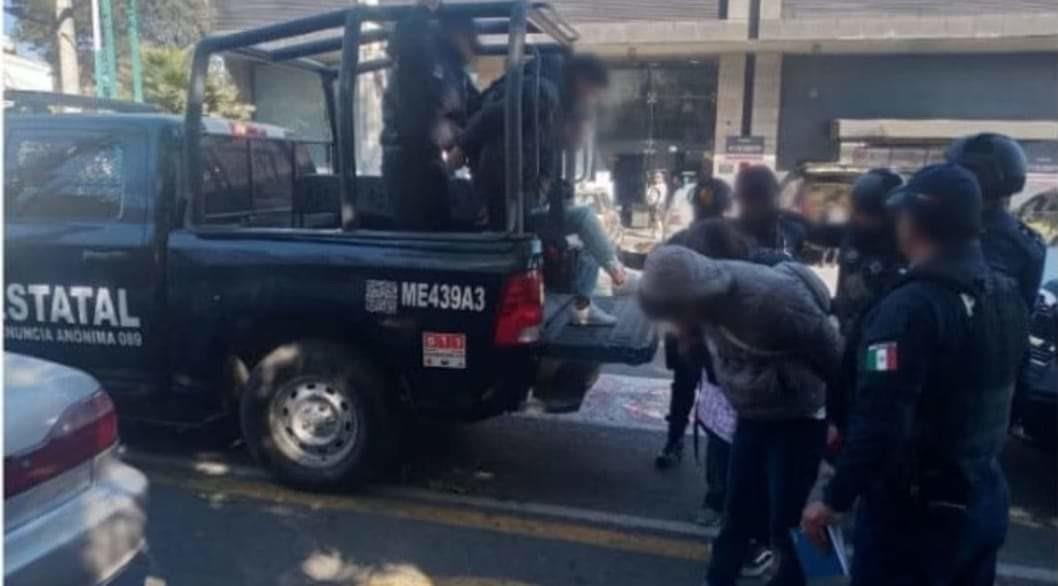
[{"x": 82, "y": 281}]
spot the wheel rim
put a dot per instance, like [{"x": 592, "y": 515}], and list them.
[{"x": 314, "y": 423}]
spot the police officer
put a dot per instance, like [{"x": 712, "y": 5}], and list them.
[
  {"x": 425, "y": 106},
  {"x": 760, "y": 216},
  {"x": 1010, "y": 246},
  {"x": 868, "y": 265},
  {"x": 710, "y": 197},
  {"x": 938, "y": 359},
  {"x": 710, "y": 200}
]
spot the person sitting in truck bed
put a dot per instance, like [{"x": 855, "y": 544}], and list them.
[
  {"x": 424, "y": 107},
  {"x": 556, "y": 117}
]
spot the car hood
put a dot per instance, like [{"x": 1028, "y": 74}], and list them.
[{"x": 35, "y": 394}]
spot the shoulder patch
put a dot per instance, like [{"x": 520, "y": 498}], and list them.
[{"x": 883, "y": 357}]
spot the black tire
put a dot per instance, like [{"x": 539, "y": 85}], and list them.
[{"x": 343, "y": 371}]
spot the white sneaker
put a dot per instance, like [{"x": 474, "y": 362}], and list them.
[{"x": 592, "y": 315}]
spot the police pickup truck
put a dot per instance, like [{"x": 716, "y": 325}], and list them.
[{"x": 200, "y": 267}]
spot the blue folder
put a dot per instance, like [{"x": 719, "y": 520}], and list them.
[{"x": 819, "y": 563}]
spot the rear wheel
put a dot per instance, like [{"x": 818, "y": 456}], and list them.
[{"x": 312, "y": 411}]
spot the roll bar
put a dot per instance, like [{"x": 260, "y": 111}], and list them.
[{"x": 514, "y": 18}]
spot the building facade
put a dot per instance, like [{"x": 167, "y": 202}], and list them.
[{"x": 774, "y": 81}]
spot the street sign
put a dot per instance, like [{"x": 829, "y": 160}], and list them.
[{"x": 744, "y": 145}]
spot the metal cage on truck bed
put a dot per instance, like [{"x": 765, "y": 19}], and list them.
[{"x": 516, "y": 19}]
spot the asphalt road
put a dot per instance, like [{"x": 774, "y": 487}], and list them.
[{"x": 525, "y": 499}]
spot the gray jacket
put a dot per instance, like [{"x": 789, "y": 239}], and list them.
[{"x": 775, "y": 347}]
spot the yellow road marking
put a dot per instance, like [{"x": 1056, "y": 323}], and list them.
[{"x": 450, "y": 516}]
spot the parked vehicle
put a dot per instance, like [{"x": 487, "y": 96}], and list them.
[
  {"x": 202, "y": 268},
  {"x": 1041, "y": 213},
  {"x": 73, "y": 512},
  {"x": 1036, "y": 400}
]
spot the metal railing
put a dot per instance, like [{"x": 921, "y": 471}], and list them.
[{"x": 516, "y": 18}]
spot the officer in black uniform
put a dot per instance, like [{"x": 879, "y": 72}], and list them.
[
  {"x": 938, "y": 360},
  {"x": 760, "y": 216},
  {"x": 424, "y": 109},
  {"x": 710, "y": 199},
  {"x": 869, "y": 263},
  {"x": 1010, "y": 246}
]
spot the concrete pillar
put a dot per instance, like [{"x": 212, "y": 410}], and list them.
[
  {"x": 730, "y": 84},
  {"x": 738, "y": 10},
  {"x": 770, "y": 9},
  {"x": 767, "y": 94}
]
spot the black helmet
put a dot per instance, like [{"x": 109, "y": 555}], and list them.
[
  {"x": 870, "y": 191},
  {"x": 944, "y": 200},
  {"x": 996, "y": 159}
]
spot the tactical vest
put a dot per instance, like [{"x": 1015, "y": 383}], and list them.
[
  {"x": 964, "y": 409},
  {"x": 863, "y": 278}
]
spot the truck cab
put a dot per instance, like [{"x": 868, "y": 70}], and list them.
[{"x": 205, "y": 268}]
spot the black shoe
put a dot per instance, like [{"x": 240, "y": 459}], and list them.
[
  {"x": 760, "y": 561},
  {"x": 670, "y": 456}
]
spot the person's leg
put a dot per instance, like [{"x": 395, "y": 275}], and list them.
[
  {"x": 879, "y": 557},
  {"x": 686, "y": 374},
  {"x": 582, "y": 221},
  {"x": 746, "y": 492},
  {"x": 717, "y": 462},
  {"x": 972, "y": 536},
  {"x": 422, "y": 192},
  {"x": 585, "y": 277},
  {"x": 795, "y": 450}
]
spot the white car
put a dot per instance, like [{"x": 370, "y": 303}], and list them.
[{"x": 74, "y": 514}]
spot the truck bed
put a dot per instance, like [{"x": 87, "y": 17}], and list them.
[{"x": 634, "y": 340}]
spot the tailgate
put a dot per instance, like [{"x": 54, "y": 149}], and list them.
[{"x": 634, "y": 340}]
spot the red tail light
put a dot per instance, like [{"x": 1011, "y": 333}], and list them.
[
  {"x": 521, "y": 310},
  {"x": 83, "y": 431}
]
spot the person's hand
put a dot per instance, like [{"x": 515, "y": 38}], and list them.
[
  {"x": 456, "y": 159},
  {"x": 815, "y": 519},
  {"x": 617, "y": 274}
]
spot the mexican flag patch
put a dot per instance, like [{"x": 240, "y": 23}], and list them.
[{"x": 882, "y": 357}]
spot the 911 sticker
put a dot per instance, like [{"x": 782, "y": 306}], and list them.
[
  {"x": 441, "y": 350},
  {"x": 442, "y": 296}
]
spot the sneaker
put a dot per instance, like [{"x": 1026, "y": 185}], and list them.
[
  {"x": 710, "y": 518},
  {"x": 671, "y": 455},
  {"x": 592, "y": 315},
  {"x": 759, "y": 564}
]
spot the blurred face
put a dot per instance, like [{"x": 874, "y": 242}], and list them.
[
  {"x": 868, "y": 230},
  {"x": 706, "y": 170},
  {"x": 463, "y": 44},
  {"x": 576, "y": 131},
  {"x": 758, "y": 208},
  {"x": 908, "y": 239},
  {"x": 588, "y": 94}
]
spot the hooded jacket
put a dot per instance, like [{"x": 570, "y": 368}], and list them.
[{"x": 774, "y": 344}]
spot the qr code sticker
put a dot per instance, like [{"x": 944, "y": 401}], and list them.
[{"x": 381, "y": 297}]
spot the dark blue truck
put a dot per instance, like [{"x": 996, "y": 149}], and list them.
[{"x": 202, "y": 268}]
